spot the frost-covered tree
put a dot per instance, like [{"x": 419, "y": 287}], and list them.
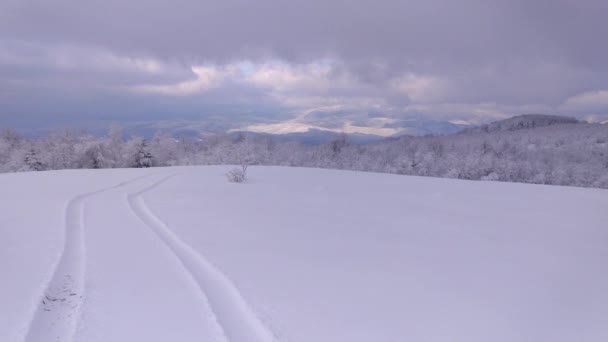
[
  {"x": 96, "y": 155},
  {"x": 33, "y": 161},
  {"x": 60, "y": 150},
  {"x": 140, "y": 153},
  {"x": 547, "y": 151},
  {"x": 9, "y": 141}
]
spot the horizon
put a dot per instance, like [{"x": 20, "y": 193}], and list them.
[{"x": 310, "y": 136}]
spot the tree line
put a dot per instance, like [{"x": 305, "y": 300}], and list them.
[{"x": 568, "y": 154}]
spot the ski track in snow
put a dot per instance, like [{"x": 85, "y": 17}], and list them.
[
  {"x": 237, "y": 320},
  {"x": 56, "y": 317}
]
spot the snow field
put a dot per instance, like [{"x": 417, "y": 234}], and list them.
[{"x": 179, "y": 254}]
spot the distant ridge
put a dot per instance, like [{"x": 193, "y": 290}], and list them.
[
  {"x": 313, "y": 137},
  {"x": 526, "y": 121}
]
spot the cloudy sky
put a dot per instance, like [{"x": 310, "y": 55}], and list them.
[{"x": 279, "y": 66}]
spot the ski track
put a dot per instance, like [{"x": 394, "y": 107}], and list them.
[
  {"x": 58, "y": 311},
  {"x": 236, "y": 318}
]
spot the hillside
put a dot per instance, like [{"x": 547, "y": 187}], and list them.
[
  {"x": 299, "y": 255},
  {"x": 518, "y": 122}
]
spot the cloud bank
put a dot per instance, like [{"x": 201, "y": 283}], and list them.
[{"x": 275, "y": 66}]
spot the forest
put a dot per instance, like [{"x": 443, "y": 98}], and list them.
[{"x": 574, "y": 154}]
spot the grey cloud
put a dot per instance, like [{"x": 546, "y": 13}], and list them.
[
  {"x": 452, "y": 32},
  {"x": 484, "y": 58},
  {"x": 55, "y": 63}
]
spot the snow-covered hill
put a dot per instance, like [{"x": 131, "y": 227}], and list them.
[
  {"x": 518, "y": 122},
  {"x": 179, "y": 254}
]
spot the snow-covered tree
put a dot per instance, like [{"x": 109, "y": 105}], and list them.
[
  {"x": 551, "y": 151},
  {"x": 140, "y": 153},
  {"x": 33, "y": 161}
]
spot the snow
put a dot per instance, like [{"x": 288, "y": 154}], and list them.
[{"x": 295, "y": 254}]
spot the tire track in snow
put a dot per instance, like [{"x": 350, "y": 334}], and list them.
[
  {"x": 236, "y": 318},
  {"x": 56, "y": 317}
]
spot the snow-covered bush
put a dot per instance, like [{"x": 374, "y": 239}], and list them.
[
  {"x": 236, "y": 175},
  {"x": 492, "y": 176}
]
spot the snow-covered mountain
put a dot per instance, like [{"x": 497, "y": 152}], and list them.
[
  {"x": 299, "y": 255},
  {"x": 312, "y": 137},
  {"x": 308, "y": 132}
]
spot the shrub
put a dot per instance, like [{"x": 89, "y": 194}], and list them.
[{"x": 236, "y": 175}]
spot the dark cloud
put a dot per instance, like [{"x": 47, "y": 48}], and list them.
[
  {"x": 459, "y": 32},
  {"x": 441, "y": 57}
]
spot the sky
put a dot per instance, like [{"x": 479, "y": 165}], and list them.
[{"x": 283, "y": 66}]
